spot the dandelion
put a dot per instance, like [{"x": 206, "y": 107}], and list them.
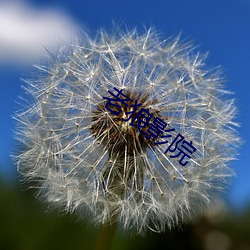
[{"x": 102, "y": 134}]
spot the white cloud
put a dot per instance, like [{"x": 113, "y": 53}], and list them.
[{"x": 25, "y": 31}]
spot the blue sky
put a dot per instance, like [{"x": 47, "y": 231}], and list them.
[{"x": 221, "y": 27}]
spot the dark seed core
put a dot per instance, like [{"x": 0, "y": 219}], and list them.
[{"x": 116, "y": 134}]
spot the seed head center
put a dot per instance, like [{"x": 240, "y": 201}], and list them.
[{"x": 120, "y": 128}]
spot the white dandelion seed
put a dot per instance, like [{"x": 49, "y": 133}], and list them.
[{"x": 87, "y": 159}]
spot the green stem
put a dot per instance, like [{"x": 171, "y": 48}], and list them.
[{"x": 105, "y": 236}]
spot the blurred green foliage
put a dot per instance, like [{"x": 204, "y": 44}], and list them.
[{"x": 25, "y": 225}]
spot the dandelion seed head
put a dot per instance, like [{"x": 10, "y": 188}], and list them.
[{"x": 88, "y": 160}]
